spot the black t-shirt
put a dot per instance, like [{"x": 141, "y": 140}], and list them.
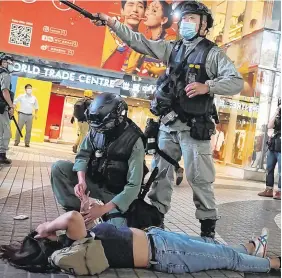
[{"x": 117, "y": 243}]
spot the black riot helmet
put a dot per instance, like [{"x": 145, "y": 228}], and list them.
[
  {"x": 106, "y": 112},
  {"x": 194, "y": 7}
]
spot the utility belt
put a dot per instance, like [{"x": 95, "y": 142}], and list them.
[
  {"x": 274, "y": 143},
  {"x": 202, "y": 127},
  {"x": 151, "y": 135}
]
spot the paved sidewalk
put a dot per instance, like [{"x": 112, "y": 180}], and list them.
[{"x": 25, "y": 188}]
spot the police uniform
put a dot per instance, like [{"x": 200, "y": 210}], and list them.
[
  {"x": 113, "y": 167},
  {"x": 5, "y": 130},
  {"x": 174, "y": 138}
]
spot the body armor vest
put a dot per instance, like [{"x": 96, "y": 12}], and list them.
[
  {"x": 2, "y": 100},
  {"x": 172, "y": 96},
  {"x": 193, "y": 70},
  {"x": 109, "y": 162}
]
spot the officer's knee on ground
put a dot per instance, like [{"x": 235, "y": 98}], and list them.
[{"x": 57, "y": 167}]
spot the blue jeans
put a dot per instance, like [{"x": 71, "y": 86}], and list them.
[
  {"x": 180, "y": 253},
  {"x": 272, "y": 159}
]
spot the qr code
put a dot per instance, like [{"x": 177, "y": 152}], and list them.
[{"x": 20, "y": 34}]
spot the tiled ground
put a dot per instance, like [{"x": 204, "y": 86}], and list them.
[{"x": 25, "y": 188}]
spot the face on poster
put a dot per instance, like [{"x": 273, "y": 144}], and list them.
[{"x": 50, "y": 30}]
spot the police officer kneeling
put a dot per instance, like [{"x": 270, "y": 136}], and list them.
[
  {"x": 197, "y": 69},
  {"x": 109, "y": 163}
]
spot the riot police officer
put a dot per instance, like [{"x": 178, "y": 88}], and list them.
[
  {"x": 109, "y": 163},
  {"x": 6, "y": 106},
  {"x": 197, "y": 69}
]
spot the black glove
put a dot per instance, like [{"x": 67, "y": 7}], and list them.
[{"x": 72, "y": 120}]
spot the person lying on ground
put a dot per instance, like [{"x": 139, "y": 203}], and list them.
[{"x": 154, "y": 248}]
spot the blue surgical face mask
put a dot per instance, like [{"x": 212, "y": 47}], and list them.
[{"x": 187, "y": 30}]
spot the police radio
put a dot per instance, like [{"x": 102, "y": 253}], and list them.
[{"x": 151, "y": 134}]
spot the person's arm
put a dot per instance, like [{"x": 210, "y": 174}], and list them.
[
  {"x": 271, "y": 123},
  {"x": 80, "y": 165},
  {"x": 16, "y": 101},
  {"x": 134, "y": 178},
  {"x": 83, "y": 156},
  {"x": 71, "y": 221},
  {"x": 36, "y": 107},
  {"x": 131, "y": 190},
  {"x": 160, "y": 49},
  {"x": 226, "y": 79}
]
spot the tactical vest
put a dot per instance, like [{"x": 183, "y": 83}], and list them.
[
  {"x": 193, "y": 70},
  {"x": 2, "y": 100},
  {"x": 110, "y": 170}
]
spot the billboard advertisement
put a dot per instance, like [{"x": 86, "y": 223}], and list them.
[{"x": 50, "y": 30}]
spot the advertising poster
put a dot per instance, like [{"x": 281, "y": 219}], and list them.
[
  {"x": 50, "y": 30},
  {"x": 41, "y": 90}
]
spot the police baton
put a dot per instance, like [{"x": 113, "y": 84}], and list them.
[
  {"x": 80, "y": 10},
  {"x": 147, "y": 186},
  {"x": 16, "y": 124}
]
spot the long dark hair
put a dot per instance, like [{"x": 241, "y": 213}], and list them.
[
  {"x": 31, "y": 254},
  {"x": 167, "y": 10}
]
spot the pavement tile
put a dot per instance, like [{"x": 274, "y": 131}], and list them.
[{"x": 25, "y": 189}]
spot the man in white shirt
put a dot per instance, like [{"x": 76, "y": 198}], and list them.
[{"x": 28, "y": 103}]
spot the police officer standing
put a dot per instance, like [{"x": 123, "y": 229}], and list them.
[
  {"x": 197, "y": 69},
  {"x": 79, "y": 109},
  {"x": 109, "y": 162},
  {"x": 6, "y": 106}
]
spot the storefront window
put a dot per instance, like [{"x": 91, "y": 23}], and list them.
[
  {"x": 267, "y": 88},
  {"x": 237, "y": 20},
  {"x": 219, "y": 22},
  {"x": 269, "y": 49}
]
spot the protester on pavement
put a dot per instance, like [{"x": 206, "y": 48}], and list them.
[
  {"x": 273, "y": 156},
  {"x": 109, "y": 163},
  {"x": 6, "y": 106},
  {"x": 154, "y": 249},
  {"x": 28, "y": 106},
  {"x": 197, "y": 69}
]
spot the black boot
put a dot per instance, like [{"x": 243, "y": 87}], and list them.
[
  {"x": 208, "y": 228},
  {"x": 4, "y": 159}
]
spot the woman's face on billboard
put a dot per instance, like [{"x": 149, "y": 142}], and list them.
[{"x": 154, "y": 16}]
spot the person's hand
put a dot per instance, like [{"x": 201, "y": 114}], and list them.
[
  {"x": 195, "y": 89},
  {"x": 152, "y": 68},
  {"x": 11, "y": 111},
  {"x": 95, "y": 212},
  {"x": 79, "y": 189},
  {"x": 102, "y": 19},
  {"x": 85, "y": 203},
  {"x": 42, "y": 231}
]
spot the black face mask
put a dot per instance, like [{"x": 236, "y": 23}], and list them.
[{"x": 113, "y": 133}]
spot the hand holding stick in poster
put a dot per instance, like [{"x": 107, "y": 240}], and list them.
[{"x": 94, "y": 17}]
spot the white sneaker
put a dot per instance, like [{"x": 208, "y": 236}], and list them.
[{"x": 261, "y": 243}]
